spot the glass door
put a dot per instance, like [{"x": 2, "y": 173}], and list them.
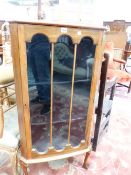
[{"x": 59, "y": 81}]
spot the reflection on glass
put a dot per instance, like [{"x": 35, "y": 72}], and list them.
[
  {"x": 83, "y": 75},
  {"x": 38, "y": 64},
  {"x": 63, "y": 63}
]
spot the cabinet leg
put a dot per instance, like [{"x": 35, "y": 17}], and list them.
[
  {"x": 86, "y": 159},
  {"x": 14, "y": 162},
  {"x": 25, "y": 167}
]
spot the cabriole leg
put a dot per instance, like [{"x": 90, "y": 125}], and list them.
[{"x": 85, "y": 165}]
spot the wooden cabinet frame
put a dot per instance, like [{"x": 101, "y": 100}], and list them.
[{"x": 23, "y": 31}]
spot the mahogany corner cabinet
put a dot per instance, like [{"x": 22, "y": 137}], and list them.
[{"x": 57, "y": 71}]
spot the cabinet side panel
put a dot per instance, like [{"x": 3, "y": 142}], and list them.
[
  {"x": 20, "y": 94},
  {"x": 94, "y": 84}
]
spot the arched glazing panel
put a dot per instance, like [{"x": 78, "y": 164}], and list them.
[
  {"x": 38, "y": 68},
  {"x": 83, "y": 76},
  {"x": 63, "y": 66}
]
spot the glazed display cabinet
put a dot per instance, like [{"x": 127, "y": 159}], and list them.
[{"x": 57, "y": 72}]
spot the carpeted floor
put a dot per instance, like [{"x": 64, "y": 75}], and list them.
[{"x": 113, "y": 152}]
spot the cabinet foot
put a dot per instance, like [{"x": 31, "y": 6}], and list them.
[
  {"x": 85, "y": 164},
  {"x": 25, "y": 167}
]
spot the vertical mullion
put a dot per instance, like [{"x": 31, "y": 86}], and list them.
[
  {"x": 51, "y": 103},
  {"x": 72, "y": 92}
]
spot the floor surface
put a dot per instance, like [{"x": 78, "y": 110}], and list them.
[{"x": 113, "y": 152}]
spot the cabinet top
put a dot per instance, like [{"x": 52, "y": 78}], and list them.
[{"x": 57, "y": 25}]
